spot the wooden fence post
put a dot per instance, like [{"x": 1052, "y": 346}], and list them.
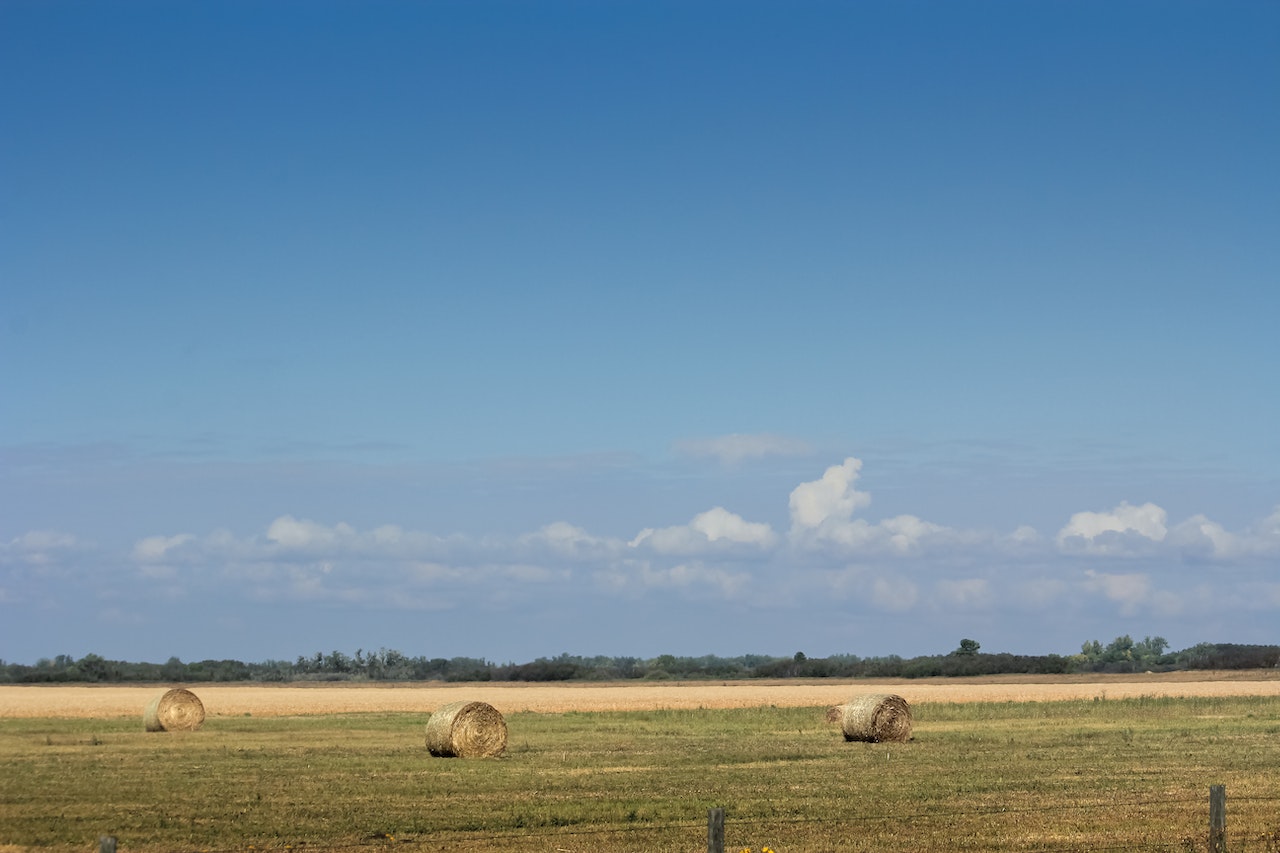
[
  {"x": 715, "y": 831},
  {"x": 1217, "y": 819},
  {"x": 107, "y": 844}
]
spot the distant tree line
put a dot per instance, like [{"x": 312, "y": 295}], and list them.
[{"x": 1123, "y": 654}]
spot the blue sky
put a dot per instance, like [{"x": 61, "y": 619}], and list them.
[{"x": 511, "y": 329}]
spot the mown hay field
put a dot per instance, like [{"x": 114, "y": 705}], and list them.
[
  {"x": 353, "y": 697},
  {"x": 1117, "y": 767}
]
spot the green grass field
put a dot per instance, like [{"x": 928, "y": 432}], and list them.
[{"x": 1089, "y": 775}]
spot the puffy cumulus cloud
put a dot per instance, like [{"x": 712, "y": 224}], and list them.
[
  {"x": 906, "y": 532},
  {"x": 292, "y": 538},
  {"x": 715, "y": 527},
  {"x": 733, "y": 449},
  {"x": 903, "y": 535},
  {"x": 720, "y": 524},
  {"x": 832, "y": 499},
  {"x": 305, "y": 535},
  {"x": 159, "y": 549},
  {"x": 1125, "y": 529},
  {"x": 898, "y": 565},
  {"x": 1024, "y": 535},
  {"x": 822, "y": 516},
  {"x": 1200, "y": 537},
  {"x": 568, "y": 540},
  {"x": 1133, "y": 531}
]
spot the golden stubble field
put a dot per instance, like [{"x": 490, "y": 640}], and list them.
[{"x": 328, "y": 698}]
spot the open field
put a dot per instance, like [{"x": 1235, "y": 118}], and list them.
[
  {"x": 328, "y": 698},
  {"x": 283, "y": 768}
]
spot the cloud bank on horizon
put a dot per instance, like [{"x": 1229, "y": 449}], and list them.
[{"x": 1129, "y": 561}]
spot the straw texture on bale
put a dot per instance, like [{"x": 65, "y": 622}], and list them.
[
  {"x": 176, "y": 710},
  {"x": 467, "y": 730},
  {"x": 876, "y": 718}
]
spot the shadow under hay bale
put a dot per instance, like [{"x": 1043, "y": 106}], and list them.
[
  {"x": 467, "y": 730},
  {"x": 876, "y": 718},
  {"x": 176, "y": 710}
]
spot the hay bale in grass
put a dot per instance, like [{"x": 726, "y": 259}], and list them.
[
  {"x": 876, "y": 718},
  {"x": 466, "y": 730},
  {"x": 176, "y": 710}
]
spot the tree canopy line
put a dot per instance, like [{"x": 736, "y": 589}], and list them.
[{"x": 1122, "y": 654}]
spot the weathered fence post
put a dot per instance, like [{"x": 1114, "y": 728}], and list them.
[
  {"x": 107, "y": 844},
  {"x": 1217, "y": 819},
  {"x": 715, "y": 831}
]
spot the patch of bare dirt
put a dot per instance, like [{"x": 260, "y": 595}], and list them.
[{"x": 300, "y": 699}]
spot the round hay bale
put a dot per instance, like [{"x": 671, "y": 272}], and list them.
[
  {"x": 876, "y": 718},
  {"x": 466, "y": 730},
  {"x": 176, "y": 710}
]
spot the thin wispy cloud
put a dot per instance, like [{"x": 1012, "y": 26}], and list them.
[{"x": 732, "y": 450}]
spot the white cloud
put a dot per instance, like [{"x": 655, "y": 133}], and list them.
[
  {"x": 156, "y": 549},
  {"x": 304, "y": 534},
  {"x": 1125, "y": 529},
  {"x": 720, "y": 524},
  {"x": 906, "y": 532},
  {"x": 569, "y": 540},
  {"x": 1204, "y": 538},
  {"x": 715, "y": 526},
  {"x": 1269, "y": 529},
  {"x": 1201, "y": 537},
  {"x": 39, "y": 547},
  {"x": 733, "y": 449},
  {"x": 1025, "y": 535},
  {"x": 902, "y": 535},
  {"x": 644, "y": 575},
  {"x": 833, "y": 499},
  {"x": 894, "y": 565}
]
